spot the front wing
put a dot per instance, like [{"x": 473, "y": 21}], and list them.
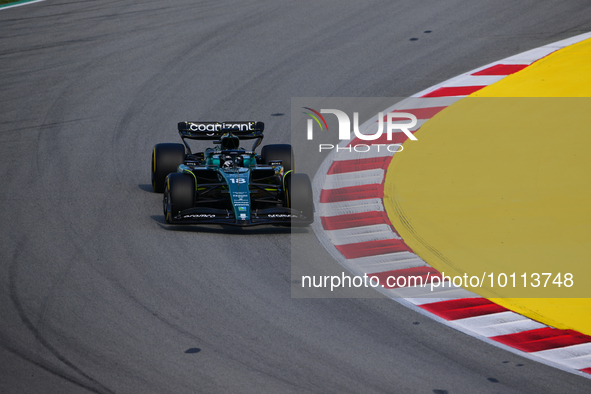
[{"x": 270, "y": 216}]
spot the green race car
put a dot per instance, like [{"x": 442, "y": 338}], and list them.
[{"x": 228, "y": 184}]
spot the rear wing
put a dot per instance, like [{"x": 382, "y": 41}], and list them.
[{"x": 245, "y": 130}]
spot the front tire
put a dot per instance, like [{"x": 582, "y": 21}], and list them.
[
  {"x": 298, "y": 193},
  {"x": 179, "y": 194},
  {"x": 165, "y": 159}
]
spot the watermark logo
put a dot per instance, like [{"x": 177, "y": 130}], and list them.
[
  {"x": 315, "y": 115},
  {"x": 391, "y": 120}
]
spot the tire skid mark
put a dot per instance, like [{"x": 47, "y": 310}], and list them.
[{"x": 13, "y": 293}]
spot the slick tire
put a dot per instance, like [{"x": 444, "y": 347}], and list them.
[
  {"x": 298, "y": 190},
  {"x": 179, "y": 194},
  {"x": 283, "y": 152},
  {"x": 165, "y": 159}
]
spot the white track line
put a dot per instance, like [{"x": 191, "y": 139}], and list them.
[{"x": 5, "y": 7}]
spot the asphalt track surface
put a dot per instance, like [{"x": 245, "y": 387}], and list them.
[{"x": 98, "y": 294}]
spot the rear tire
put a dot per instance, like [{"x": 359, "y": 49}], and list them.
[
  {"x": 165, "y": 159},
  {"x": 179, "y": 194},
  {"x": 298, "y": 190},
  {"x": 283, "y": 152}
]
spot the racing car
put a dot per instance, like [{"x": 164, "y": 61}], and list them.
[{"x": 227, "y": 184}]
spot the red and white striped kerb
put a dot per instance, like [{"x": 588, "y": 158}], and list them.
[{"x": 354, "y": 227}]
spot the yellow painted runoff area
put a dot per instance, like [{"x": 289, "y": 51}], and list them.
[{"x": 499, "y": 184}]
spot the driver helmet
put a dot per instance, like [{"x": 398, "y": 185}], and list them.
[{"x": 229, "y": 141}]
